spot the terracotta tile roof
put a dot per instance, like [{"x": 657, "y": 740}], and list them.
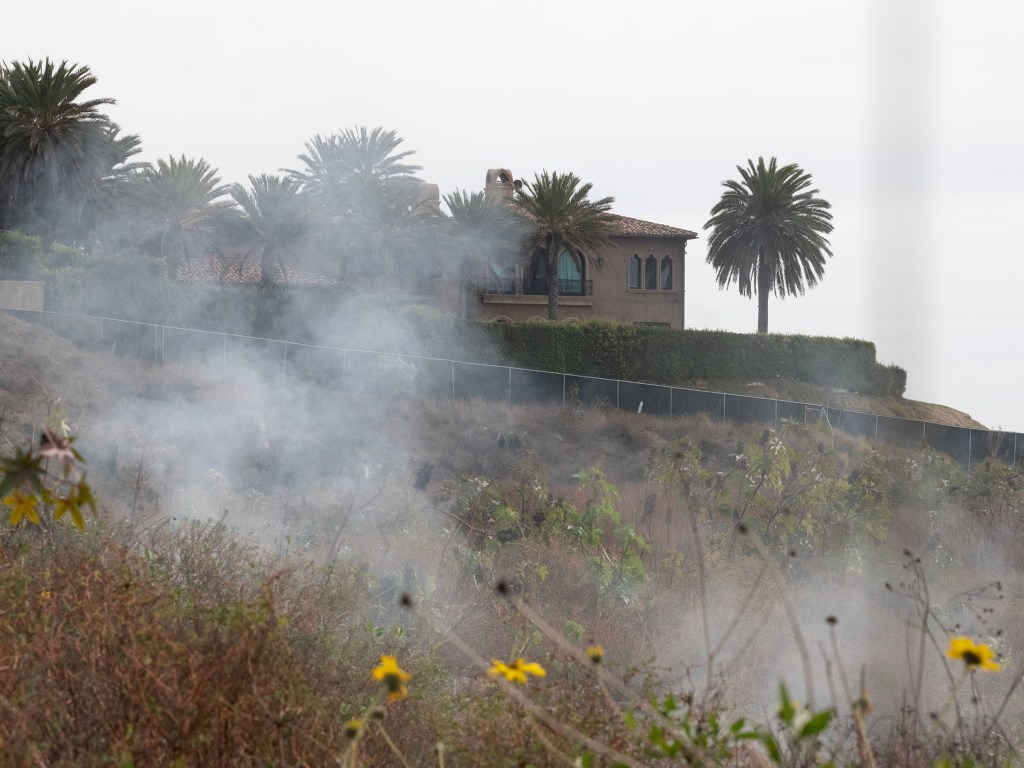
[
  {"x": 196, "y": 271},
  {"x": 629, "y": 227}
]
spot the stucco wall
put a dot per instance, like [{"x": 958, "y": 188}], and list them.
[
  {"x": 21, "y": 294},
  {"x": 612, "y": 297},
  {"x": 615, "y": 299}
]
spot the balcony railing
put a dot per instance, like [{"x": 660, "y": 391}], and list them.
[{"x": 537, "y": 286}]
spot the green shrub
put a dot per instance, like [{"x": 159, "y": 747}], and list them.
[
  {"x": 18, "y": 255},
  {"x": 665, "y": 356}
]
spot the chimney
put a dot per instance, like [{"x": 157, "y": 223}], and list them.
[{"x": 499, "y": 183}]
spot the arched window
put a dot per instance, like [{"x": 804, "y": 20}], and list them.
[
  {"x": 537, "y": 280},
  {"x": 651, "y": 274},
  {"x": 666, "y": 273},
  {"x": 570, "y": 279},
  {"x": 634, "y": 271}
]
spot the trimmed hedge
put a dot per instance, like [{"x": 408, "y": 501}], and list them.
[{"x": 662, "y": 355}]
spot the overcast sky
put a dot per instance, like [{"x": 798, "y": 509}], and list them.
[{"x": 908, "y": 115}]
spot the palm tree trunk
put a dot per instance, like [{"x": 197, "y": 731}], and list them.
[
  {"x": 554, "y": 247},
  {"x": 764, "y": 287},
  {"x": 265, "y": 272}
]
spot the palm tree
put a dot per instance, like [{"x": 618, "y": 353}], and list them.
[
  {"x": 336, "y": 165},
  {"x": 768, "y": 233},
  {"x": 560, "y": 216},
  {"x": 355, "y": 176},
  {"x": 390, "y": 224},
  {"x": 99, "y": 213},
  {"x": 182, "y": 206},
  {"x": 54, "y": 147},
  {"x": 275, "y": 221},
  {"x": 482, "y": 231}
]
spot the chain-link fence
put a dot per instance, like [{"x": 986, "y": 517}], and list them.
[{"x": 395, "y": 375}]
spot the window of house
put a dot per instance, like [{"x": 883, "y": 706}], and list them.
[
  {"x": 666, "y": 273},
  {"x": 568, "y": 268},
  {"x": 634, "y": 271},
  {"x": 651, "y": 273},
  {"x": 501, "y": 278}
]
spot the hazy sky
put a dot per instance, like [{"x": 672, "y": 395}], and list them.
[{"x": 907, "y": 114}]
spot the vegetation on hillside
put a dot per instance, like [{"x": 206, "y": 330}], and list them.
[{"x": 393, "y": 576}]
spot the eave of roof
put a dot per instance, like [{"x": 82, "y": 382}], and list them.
[{"x": 626, "y": 226}]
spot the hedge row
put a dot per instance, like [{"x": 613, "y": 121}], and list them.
[
  {"x": 136, "y": 289},
  {"x": 662, "y": 355}
]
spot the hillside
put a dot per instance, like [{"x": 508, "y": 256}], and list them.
[
  {"x": 809, "y": 393},
  {"x": 529, "y": 532},
  {"x": 33, "y": 360}
]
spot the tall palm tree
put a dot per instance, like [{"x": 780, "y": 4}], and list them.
[
  {"x": 560, "y": 216},
  {"x": 54, "y": 146},
  {"x": 99, "y": 217},
  {"x": 768, "y": 233},
  {"x": 391, "y": 226},
  {"x": 482, "y": 231},
  {"x": 275, "y": 221},
  {"x": 336, "y": 165},
  {"x": 182, "y": 206},
  {"x": 354, "y": 176}
]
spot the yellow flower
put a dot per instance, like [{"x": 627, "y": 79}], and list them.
[
  {"x": 516, "y": 672},
  {"x": 352, "y": 727},
  {"x": 45, "y": 596},
  {"x": 22, "y": 505},
  {"x": 974, "y": 655},
  {"x": 596, "y": 653},
  {"x": 393, "y": 677}
]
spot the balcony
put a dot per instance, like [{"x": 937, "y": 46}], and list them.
[{"x": 535, "y": 286}]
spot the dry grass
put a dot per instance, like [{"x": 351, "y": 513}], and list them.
[{"x": 181, "y": 640}]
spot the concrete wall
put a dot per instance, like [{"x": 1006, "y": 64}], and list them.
[{"x": 21, "y": 294}]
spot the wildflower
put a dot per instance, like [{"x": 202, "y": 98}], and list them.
[
  {"x": 352, "y": 727},
  {"x": 393, "y": 677},
  {"x": 45, "y": 596},
  {"x": 516, "y": 672},
  {"x": 22, "y": 505},
  {"x": 974, "y": 655},
  {"x": 56, "y": 447},
  {"x": 595, "y": 653}
]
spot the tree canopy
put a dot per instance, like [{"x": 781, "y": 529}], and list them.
[
  {"x": 560, "y": 215},
  {"x": 55, "y": 147},
  {"x": 768, "y": 233}
]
